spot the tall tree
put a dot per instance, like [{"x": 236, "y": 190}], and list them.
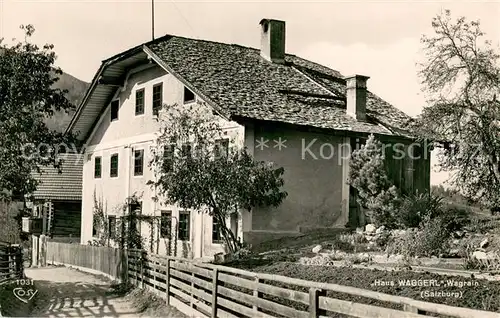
[
  {"x": 461, "y": 76},
  {"x": 200, "y": 166},
  {"x": 27, "y": 98}
]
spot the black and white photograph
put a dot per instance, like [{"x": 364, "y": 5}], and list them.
[{"x": 238, "y": 159}]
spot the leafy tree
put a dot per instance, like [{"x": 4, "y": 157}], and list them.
[
  {"x": 27, "y": 98},
  {"x": 196, "y": 171},
  {"x": 461, "y": 76},
  {"x": 376, "y": 193}
]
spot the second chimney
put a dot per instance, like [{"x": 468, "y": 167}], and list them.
[
  {"x": 356, "y": 96},
  {"x": 272, "y": 40}
]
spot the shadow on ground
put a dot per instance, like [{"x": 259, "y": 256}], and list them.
[{"x": 64, "y": 292}]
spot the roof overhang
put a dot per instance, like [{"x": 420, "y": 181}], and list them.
[{"x": 110, "y": 77}]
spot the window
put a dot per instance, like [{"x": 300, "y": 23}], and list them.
[
  {"x": 165, "y": 223},
  {"x": 112, "y": 226},
  {"x": 216, "y": 236},
  {"x": 139, "y": 102},
  {"x": 113, "y": 171},
  {"x": 168, "y": 158},
  {"x": 114, "y": 109},
  {"x": 138, "y": 162},
  {"x": 97, "y": 167},
  {"x": 157, "y": 98},
  {"x": 221, "y": 148},
  {"x": 186, "y": 150},
  {"x": 184, "y": 225},
  {"x": 188, "y": 96}
]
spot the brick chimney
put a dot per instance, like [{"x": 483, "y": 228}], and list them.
[
  {"x": 356, "y": 96},
  {"x": 272, "y": 40}
]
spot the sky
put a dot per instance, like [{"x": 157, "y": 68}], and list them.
[{"x": 380, "y": 39}]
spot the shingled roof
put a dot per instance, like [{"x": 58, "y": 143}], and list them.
[
  {"x": 301, "y": 92},
  {"x": 242, "y": 84},
  {"x": 62, "y": 182}
]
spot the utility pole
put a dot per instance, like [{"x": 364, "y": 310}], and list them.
[{"x": 153, "y": 19}]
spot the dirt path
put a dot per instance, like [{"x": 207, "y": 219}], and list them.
[{"x": 65, "y": 292}]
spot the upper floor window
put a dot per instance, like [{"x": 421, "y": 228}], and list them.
[
  {"x": 221, "y": 148},
  {"x": 139, "y": 102},
  {"x": 184, "y": 225},
  {"x": 97, "y": 167},
  {"x": 114, "y": 109},
  {"x": 113, "y": 171},
  {"x": 188, "y": 96},
  {"x": 168, "y": 157},
  {"x": 138, "y": 162},
  {"x": 157, "y": 98}
]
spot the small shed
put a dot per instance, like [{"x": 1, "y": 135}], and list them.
[{"x": 58, "y": 198}]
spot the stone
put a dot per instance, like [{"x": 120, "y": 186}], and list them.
[
  {"x": 455, "y": 242},
  {"x": 480, "y": 255},
  {"x": 370, "y": 238},
  {"x": 364, "y": 257},
  {"x": 370, "y": 228},
  {"x": 492, "y": 255},
  {"x": 397, "y": 233},
  {"x": 317, "y": 249},
  {"x": 359, "y": 230},
  {"x": 484, "y": 243},
  {"x": 454, "y": 252},
  {"x": 380, "y": 230}
]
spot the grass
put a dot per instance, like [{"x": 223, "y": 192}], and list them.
[
  {"x": 151, "y": 305},
  {"x": 299, "y": 241}
]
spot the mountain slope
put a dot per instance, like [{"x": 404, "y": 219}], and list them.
[{"x": 76, "y": 90}]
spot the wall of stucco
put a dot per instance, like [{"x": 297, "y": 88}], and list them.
[
  {"x": 313, "y": 180},
  {"x": 123, "y": 136}
]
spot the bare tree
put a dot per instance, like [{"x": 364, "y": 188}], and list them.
[{"x": 461, "y": 77}]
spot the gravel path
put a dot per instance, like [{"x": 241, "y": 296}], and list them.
[{"x": 65, "y": 292}]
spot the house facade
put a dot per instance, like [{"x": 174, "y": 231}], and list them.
[{"x": 284, "y": 109}]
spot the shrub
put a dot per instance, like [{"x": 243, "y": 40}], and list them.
[
  {"x": 368, "y": 176},
  {"x": 482, "y": 225},
  {"x": 416, "y": 207},
  {"x": 430, "y": 239},
  {"x": 455, "y": 217}
]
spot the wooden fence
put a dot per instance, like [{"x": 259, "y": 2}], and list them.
[
  {"x": 106, "y": 260},
  {"x": 11, "y": 262},
  {"x": 207, "y": 290}
]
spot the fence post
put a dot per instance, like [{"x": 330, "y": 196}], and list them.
[
  {"x": 256, "y": 293},
  {"x": 412, "y": 309},
  {"x": 167, "y": 282},
  {"x": 11, "y": 262},
  {"x": 142, "y": 269},
  {"x": 214, "y": 292},
  {"x": 191, "y": 303},
  {"x": 314, "y": 294}
]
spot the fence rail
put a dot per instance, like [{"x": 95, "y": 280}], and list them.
[
  {"x": 11, "y": 263},
  {"x": 106, "y": 260},
  {"x": 207, "y": 290}
]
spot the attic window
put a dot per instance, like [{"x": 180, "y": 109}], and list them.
[
  {"x": 114, "y": 109},
  {"x": 188, "y": 96}
]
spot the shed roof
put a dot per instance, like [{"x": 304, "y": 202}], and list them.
[{"x": 63, "y": 182}]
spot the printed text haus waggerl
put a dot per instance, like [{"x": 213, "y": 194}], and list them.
[{"x": 264, "y": 94}]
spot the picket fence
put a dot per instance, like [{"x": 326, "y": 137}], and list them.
[{"x": 208, "y": 290}]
